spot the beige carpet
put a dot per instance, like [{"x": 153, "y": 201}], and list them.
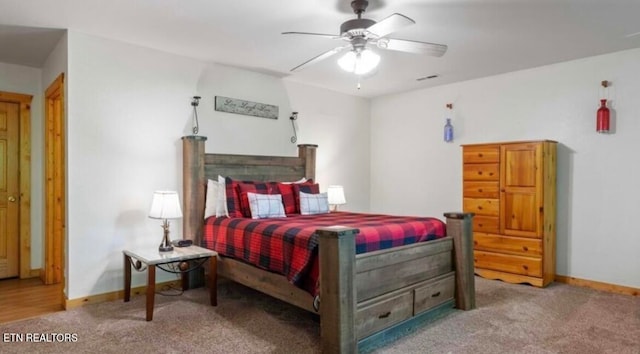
[{"x": 509, "y": 319}]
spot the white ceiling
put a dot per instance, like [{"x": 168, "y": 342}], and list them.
[{"x": 485, "y": 37}]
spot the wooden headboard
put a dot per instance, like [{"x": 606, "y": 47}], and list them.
[{"x": 198, "y": 166}]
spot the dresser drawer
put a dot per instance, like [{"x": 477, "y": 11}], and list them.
[
  {"x": 371, "y": 318},
  {"x": 481, "y": 154},
  {"x": 488, "y": 224},
  {"x": 481, "y": 206},
  {"x": 481, "y": 172},
  {"x": 505, "y": 244},
  {"x": 433, "y": 294},
  {"x": 508, "y": 263},
  {"x": 481, "y": 189}
]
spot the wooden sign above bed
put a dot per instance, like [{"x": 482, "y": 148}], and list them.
[{"x": 248, "y": 108}]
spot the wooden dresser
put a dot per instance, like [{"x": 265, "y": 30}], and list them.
[{"x": 511, "y": 187}]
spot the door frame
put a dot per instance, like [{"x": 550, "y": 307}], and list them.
[
  {"x": 54, "y": 183},
  {"x": 24, "y": 166}
]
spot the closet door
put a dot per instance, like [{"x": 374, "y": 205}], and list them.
[{"x": 521, "y": 190}]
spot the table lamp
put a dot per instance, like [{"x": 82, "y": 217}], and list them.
[
  {"x": 165, "y": 206},
  {"x": 335, "y": 196}
]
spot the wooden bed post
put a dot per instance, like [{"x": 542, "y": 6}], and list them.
[
  {"x": 193, "y": 187},
  {"x": 459, "y": 226},
  {"x": 337, "y": 252},
  {"x": 308, "y": 153}
]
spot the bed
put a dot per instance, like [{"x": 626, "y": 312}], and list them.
[{"x": 364, "y": 298}]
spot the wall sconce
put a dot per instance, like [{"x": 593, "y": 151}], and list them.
[
  {"x": 294, "y": 116},
  {"x": 448, "y": 128},
  {"x": 194, "y": 102},
  {"x": 603, "y": 120}
]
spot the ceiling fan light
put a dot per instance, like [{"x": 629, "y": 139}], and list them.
[
  {"x": 347, "y": 61},
  {"x": 368, "y": 61},
  {"x": 359, "y": 63}
]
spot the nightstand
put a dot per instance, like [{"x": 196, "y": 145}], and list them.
[{"x": 152, "y": 258}]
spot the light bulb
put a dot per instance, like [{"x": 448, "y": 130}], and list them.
[
  {"x": 347, "y": 61},
  {"x": 359, "y": 63}
]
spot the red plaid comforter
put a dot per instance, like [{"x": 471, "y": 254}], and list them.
[{"x": 289, "y": 246}]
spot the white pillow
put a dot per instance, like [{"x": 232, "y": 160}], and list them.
[
  {"x": 265, "y": 205},
  {"x": 301, "y": 180},
  {"x": 221, "y": 204},
  {"x": 211, "y": 199},
  {"x": 313, "y": 203}
]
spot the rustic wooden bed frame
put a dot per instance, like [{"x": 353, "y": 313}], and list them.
[{"x": 365, "y": 299}]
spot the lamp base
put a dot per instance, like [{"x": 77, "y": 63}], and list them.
[{"x": 165, "y": 245}]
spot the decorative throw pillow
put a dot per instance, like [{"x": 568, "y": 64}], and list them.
[
  {"x": 258, "y": 188},
  {"x": 265, "y": 205},
  {"x": 288, "y": 195},
  {"x": 233, "y": 197},
  {"x": 313, "y": 203},
  {"x": 308, "y": 187},
  {"x": 221, "y": 203},
  {"x": 211, "y": 199}
]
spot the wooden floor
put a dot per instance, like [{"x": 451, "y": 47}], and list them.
[{"x": 26, "y": 298}]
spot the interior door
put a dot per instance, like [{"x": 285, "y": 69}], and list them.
[{"x": 9, "y": 189}]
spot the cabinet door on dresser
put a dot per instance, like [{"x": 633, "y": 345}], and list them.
[{"x": 521, "y": 193}]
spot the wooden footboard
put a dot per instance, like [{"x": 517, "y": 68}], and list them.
[
  {"x": 373, "y": 297},
  {"x": 365, "y": 299}
]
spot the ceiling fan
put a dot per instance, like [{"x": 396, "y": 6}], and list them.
[{"x": 362, "y": 34}]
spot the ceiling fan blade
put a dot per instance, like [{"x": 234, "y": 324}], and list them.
[
  {"x": 403, "y": 45},
  {"x": 332, "y": 36},
  {"x": 320, "y": 57},
  {"x": 390, "y": 24}
]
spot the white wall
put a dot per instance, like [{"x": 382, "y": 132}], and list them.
[
  {"x": 339, "y": 124},
  {"x": 242, "y": 134},
  {"x": 414, "y": 172},
  {"x": 27, "y": 80},
  {"x": 128, "y": 108}
]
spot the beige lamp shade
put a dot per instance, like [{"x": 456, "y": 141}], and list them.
[
  {"x": 335, "y": 195},
  {"x": 165, "y": 205}
]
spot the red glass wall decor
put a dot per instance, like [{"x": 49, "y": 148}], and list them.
[{"x": 602, "y": 122}]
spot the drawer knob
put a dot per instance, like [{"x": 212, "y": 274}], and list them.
[
  {"x": 480, "y": 190},
  {"x": 480, "y": 155},
  {"x": 479, "y": 207},
  {"x": 480, "y": 172},
  {"x": 385, "y": 315},
  {"x": 436, "y": 294},
  {"x": 525, "y": 248}
]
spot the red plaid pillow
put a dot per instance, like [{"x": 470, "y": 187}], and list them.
[
  {"x": 258, "y": 188},
  {"x": 288, "y": 199},
  {"x": 233, "y": 196},
  {"x": 289, "y": 196},
  {"x": 306, "y": 187}
]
